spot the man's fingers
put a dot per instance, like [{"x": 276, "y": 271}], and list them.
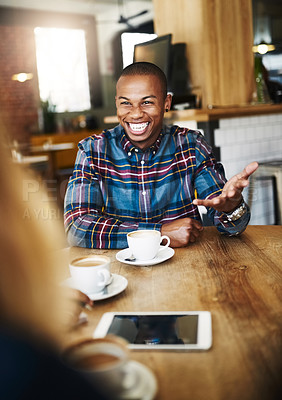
[
  {"x": 249, "y": 170},
  {"x": 233, "y": 192},
  {"x": 195, "y": 232},
  {"x": 197, "y": 225},
  {"x": 199, "y": 202},
  {"x": 207, "y": 203},
  {"x": 218, "y": 202}
]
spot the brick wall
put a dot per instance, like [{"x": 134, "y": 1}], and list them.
[{"x": 18, "y": 101}]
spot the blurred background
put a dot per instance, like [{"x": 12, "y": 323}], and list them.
[{"x": 59, "y": 61}]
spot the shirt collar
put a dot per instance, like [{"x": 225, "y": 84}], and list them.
[{"x": 129, "y": 147}]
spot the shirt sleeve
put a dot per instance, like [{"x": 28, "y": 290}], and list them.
[
  {"x": 209, "y": 182},
  {"x": 85, "y": 222}
]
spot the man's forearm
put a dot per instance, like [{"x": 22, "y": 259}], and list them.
[{"x": 100, "y": 232}]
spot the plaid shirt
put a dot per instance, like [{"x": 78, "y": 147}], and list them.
[{"x": 116, "y": 188}]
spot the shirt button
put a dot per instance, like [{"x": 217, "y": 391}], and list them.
[
  {"x": 142, "y": 162},
  {"x": 136, "y": 150},
  {"x": 154, "y": 152},
  {"x": 144, "y": 193},
  {"x": 129, "y": 153}
]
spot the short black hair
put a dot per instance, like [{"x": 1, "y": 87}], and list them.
[{"x": 146, "y": 68}]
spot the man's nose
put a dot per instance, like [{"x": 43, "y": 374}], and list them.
[{"x": 136, "y": 112}]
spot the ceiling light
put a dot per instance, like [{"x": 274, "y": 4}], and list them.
[
  {"x": 22, "y": 77},
  {"x": 263, "y": 48}
]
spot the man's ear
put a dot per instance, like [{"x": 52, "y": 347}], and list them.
[{"x": 168, "y": 101}]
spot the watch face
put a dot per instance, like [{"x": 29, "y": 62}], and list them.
[{"x": 238, "y": 213}]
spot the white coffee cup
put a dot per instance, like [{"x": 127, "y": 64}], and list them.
[
  {"x": 104, "y": 361},
  {"x": 145, "y": 244},
  {"x": 90, "y": 274}
]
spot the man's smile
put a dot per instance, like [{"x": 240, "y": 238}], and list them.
[{"x": 138, "y": 128}]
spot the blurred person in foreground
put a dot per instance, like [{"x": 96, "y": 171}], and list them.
[
  {"x": 143, "y": 174},
  {"x": 34, "y": 308}
]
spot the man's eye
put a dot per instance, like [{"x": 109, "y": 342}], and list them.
[
  {"x": 147, "y": 102},
  {"x": 125, "y": 103}
]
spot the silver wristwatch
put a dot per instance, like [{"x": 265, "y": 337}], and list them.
[{"x": 238, "y": 212}]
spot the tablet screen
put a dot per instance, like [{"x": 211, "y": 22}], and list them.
[{"x": 156, "y": 329}]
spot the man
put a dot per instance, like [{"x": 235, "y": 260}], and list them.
[{"x": 143, "y": 175}]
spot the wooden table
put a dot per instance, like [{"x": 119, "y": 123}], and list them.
[
  {"x": 37, "y": 163},
  {"x": 239, "y": 280},
  {"x": 51, "y": 149},
  {"x": 30, "y": 160}
]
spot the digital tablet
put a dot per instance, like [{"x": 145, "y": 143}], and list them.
[{"x": 183, "y": 330}]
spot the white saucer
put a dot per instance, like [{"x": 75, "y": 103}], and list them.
[
  {"x": 160, "y": 257},
  {"x": 116, "y": 286},
  {"x": 145, "y": 388}
]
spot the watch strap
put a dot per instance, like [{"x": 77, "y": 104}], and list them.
[{"x": 238, "y": 212}]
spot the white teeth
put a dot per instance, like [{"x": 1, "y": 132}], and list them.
[{"x": 139, "y": 127}]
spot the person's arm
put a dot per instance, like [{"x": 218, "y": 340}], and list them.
[
  {"x": 231, "y": 214},
  {"x": 85, "y": 222},
  {"x": 223, "y": 199}
]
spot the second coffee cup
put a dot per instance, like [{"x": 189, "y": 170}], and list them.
[
  {"x": 146, "y": 244},
  {"x": 91, "y": 274}
]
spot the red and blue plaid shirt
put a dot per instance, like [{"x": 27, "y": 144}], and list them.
[{"x": 116, "y": 188}]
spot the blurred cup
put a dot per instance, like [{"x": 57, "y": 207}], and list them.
[
  {"x": 104, "y": 361},
  {"x": 146, "y": 244},
  {"x": 90, "y": 274}
]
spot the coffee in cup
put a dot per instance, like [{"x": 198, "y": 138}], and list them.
[
  {"x": 90, "y": 274},
  {"x": 102, "y": 360},
  {"x": 146, "y": 244}
]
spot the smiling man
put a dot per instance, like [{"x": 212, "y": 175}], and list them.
[
  {"x": 144, "y": 175},
  {"x": 141, "y": 101}
]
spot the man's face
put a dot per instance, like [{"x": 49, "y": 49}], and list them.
[{"x": 140, "y": 107}]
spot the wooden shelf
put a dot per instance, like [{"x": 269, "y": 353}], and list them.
[{"x": 201, "y": 115}]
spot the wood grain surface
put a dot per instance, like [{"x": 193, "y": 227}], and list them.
[
  {"x": 239, "y": 280},
  {"x": 219, "y": 39}
]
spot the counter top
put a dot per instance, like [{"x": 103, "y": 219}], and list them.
[{"x": 215, "y": 113}]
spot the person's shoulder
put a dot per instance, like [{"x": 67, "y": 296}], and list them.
[{"x": 184, "y": 133}]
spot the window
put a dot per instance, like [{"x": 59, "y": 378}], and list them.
[
  {"x": 62, "y": 68},
  {"x": 129, "y": 40}
]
